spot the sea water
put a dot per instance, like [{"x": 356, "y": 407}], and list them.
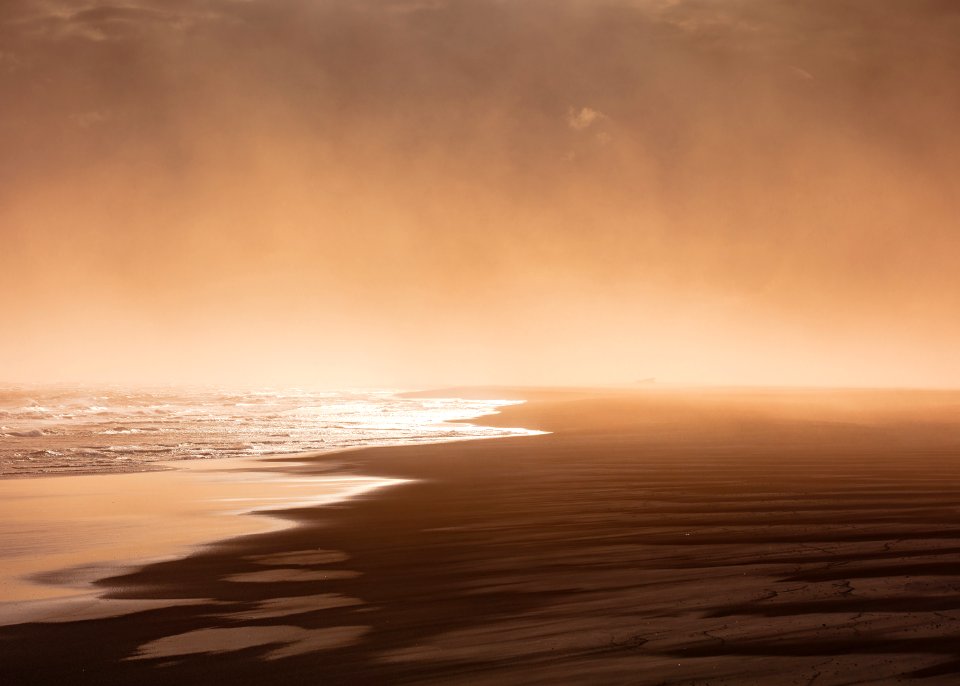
[{"x": 74, "y": 430}]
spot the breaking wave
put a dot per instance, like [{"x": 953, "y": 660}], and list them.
[{"x": 79, "y": 430}]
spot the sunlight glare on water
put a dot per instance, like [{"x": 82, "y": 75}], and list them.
[{"x": 62, "y": 430}]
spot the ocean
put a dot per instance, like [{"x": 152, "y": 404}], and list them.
[{"x": 77, "y": 430}]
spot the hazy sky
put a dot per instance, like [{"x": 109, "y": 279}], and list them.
[{"x": 414, "y": 192}]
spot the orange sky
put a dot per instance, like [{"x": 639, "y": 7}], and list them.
[{"x": 418, "y": 192}]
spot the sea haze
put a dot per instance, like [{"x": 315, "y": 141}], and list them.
[{"x": 59, "y": 430}]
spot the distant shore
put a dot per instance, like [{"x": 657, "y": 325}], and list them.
[{"x": 654, "y": 536}]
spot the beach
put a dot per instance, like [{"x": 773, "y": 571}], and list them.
[
  {"x": 61, "y": 534},
  {"x": 652, "y": 536}
]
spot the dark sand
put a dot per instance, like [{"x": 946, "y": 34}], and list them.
[{"x": 721, "y": 537}]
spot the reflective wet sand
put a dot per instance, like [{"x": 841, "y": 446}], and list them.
[{"x": 59, "y": 534}]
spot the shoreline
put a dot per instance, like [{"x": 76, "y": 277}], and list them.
[
  {"x": 44, "y": 577},
  {"x": 663, "y": 538},
  {"x": 91, "y": 528}
]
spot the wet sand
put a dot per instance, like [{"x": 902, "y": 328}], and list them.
[
  {"x": 717, "y": 537},
  {"x": 60, "y": 534}
]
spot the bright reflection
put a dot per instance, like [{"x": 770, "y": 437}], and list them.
[
  {"x": 87, "y": 527},
  {"x": 74, "y": 430}
]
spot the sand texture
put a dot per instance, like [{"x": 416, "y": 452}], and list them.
[{"x": 654, "y": 537}]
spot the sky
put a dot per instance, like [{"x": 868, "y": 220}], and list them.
[{"x": 406, "y": 193}]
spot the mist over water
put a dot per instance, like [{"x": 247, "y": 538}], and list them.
[
  {"x": 84, "y": 430},
  {"x": 410, "y": 193}
]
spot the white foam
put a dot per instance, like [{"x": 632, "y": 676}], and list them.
[{"x": 58, "y": 430}]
